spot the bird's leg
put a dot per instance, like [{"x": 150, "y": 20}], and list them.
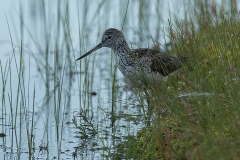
[{"x": 149, "y": 107}]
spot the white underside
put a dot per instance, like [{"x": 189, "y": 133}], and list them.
[{"x": 140, "y": 78}]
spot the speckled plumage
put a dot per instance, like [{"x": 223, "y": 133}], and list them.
[{"x": 137, "y": 65}]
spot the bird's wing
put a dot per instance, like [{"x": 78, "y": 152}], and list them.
[{"x": 160, "y": 62}]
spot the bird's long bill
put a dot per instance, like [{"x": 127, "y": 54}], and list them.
[{"x": 89, "y": 52}]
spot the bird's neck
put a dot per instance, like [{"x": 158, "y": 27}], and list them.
[{"x": 121, "y": 47}]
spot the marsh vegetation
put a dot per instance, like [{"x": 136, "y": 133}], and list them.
[{"x": 54, "y": 107}]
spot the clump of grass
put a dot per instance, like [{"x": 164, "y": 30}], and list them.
[
  {"x": 86, "y": 127},
  {"x": 198, "y": 126}
]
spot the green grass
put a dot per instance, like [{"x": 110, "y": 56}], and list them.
[{"x": 196, "y": 126}]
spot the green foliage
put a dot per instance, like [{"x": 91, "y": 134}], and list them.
[{"x": 205, "y": 122}]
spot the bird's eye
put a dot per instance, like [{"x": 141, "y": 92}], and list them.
[{"x": 109, "y": 37}]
